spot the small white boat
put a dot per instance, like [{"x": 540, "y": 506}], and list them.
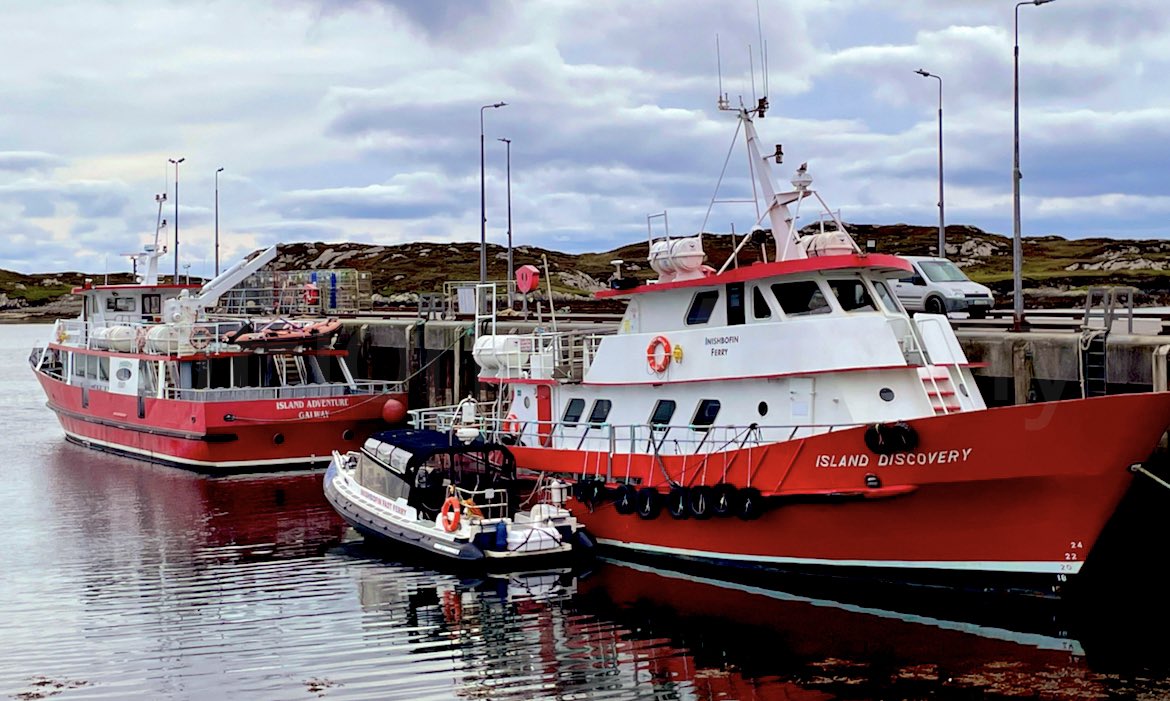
[{"x": 458, "y": 499}]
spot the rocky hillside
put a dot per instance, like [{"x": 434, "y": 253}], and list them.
[{"x": 1056, "y": 270}]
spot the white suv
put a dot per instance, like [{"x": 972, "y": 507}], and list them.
[{"x": 939, "y": 287}]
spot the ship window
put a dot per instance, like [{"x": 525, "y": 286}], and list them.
[
  {"x": 852, "y": 295},
  {"x": 888, "y": 300},
  {"x": 800, "y": 298},
  {"x": 600, "y": 411},
  {"x": 705, "y": 414},
  {"x": 702, "y": 306},
  {"x": 120, "y": 304},
  {"x": 663, "y": 413},
  {"x": 760, "y": 307},
  {"x": 151, "y": 304},
  {"x": 573, "y": 411},
  {"x": 735, "y": 311}
]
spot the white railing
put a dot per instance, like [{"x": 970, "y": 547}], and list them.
[
  {"x": 562, "y": 355},
  {"x": 650, "y": 439},
  {"x": 483, "y": 504},
  {"x": 308, "y": 391}
]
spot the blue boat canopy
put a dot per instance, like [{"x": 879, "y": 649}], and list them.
[{"x": 423, "y": 444}]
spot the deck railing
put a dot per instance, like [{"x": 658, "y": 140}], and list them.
[
  {"x": 651, "y": 439},
  {"x": 309, "y": 391}
]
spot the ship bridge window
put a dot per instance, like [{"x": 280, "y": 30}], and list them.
[
  {"x": 573, "y": 411},
  {"x": 701, "y": 307},
  {"x": 600, "y": 412},
  {"x": 735, "y": 304},
  {"x": 800, "y": 298},
  {"x": 663, "y": 413},
  {"x": 760, "y": 307},
  {"x": 705, "y": 414},
  {"x": 120, "y": 304},
  {"x": 852, "y": 295},
  {"x": 888, "y": 300}
]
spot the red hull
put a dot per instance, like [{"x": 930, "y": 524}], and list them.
[
  {"x": 229, "y": 436},
  {"x": 1019, "y": 490}
]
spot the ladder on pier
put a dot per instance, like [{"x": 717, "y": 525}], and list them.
[{"x": 1105, "y": 308}]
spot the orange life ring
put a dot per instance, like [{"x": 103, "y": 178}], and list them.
[
  {"x": 511, "y": 424},
  {"x": 449, "y": 514},
  {"x": 652, "y": 354}
]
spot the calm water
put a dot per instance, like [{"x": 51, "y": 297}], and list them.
[{"x": 125, "y": 580}]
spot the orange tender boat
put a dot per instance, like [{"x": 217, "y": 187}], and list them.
[{"x": 285, "y": 334}]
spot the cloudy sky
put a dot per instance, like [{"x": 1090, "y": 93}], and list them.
[{"x": 358, "y": 120}]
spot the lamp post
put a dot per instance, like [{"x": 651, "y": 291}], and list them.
[
  {"x": 482, "y": 199},
  {"x": 1017, "y": 250},
  {"x": 942, "y": 226},
  {"x": 217, "y": 172},
  {"x": 176, "y": 162},
  {"x": 511, "y": 273}
]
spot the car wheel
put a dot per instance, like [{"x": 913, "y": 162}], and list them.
[{"x": 934, "y": 305}]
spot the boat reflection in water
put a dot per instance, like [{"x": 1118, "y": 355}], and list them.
[
  {"x": 165, "y": 584},
  {"x": 116, "y": 507},
  {"x": 631, "y": 630}
]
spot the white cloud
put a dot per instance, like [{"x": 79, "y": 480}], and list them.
[{"x": 359, "y": 119}]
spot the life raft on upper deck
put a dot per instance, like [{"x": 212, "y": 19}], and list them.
[{"x": 285, "y": 334}]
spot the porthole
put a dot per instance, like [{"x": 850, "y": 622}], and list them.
[
  {"x": 123, "y": 374},
  {"x": 762, "y": 408},
  {"x": 277, "y": 438},
  {"x": 527, "y": 402},
  {"x": 886, "y": 394},
  {"x": 347, "y": 434}
]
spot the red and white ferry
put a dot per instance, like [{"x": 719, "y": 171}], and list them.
[
  {"x": 149, "y": 372},
  {"x": 790, "y": 414}
]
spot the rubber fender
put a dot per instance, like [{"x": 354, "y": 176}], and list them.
[
  {"x": 625, "y": 499},
  {"x": 702, "y": 502},
  {"x": 751, "y": 503},
  {"x": 649, "y": 503},
  {"x": 907, "y": 437},
  {"x": 724, "y": 499},
  {"x": 678, "y": 502}
]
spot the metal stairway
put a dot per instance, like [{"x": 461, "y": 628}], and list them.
[{"x": 940, "y": 389}]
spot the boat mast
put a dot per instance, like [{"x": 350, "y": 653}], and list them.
[{"x": 783, "y": 227}]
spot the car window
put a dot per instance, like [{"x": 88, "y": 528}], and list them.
[{"x": 941, "y": 271}]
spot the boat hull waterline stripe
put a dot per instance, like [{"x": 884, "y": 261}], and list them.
[{"x": 1038, "y": 567}]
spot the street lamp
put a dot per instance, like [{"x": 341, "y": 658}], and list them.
[
  {"x": 217, "y": 172},
  {"x": 1017, "y": 250},
  {"x": 942, "y": 227},
  {"x": 176, "y": 162},
  {"x": 511, "y": 274},
  {"x": 482, "y": 200}
]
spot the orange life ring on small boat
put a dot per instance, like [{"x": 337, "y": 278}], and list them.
[
  {"x": 652, "y": 359},
  {"x": 511, "y": 424},
  {"x": 449, "y": 514}
]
